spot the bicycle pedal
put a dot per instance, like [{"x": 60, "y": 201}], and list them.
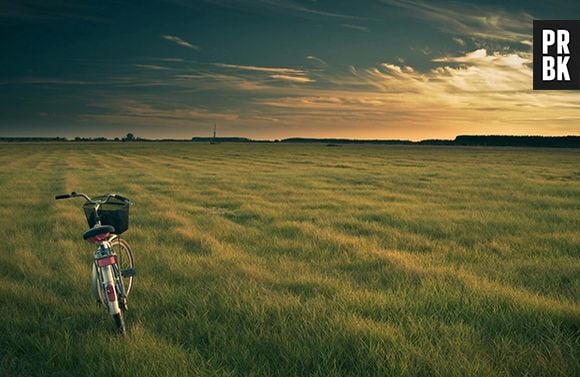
[{"x": 127, "y": 273}]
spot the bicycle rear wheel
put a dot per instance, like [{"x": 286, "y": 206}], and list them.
[
  {"x": 120, "y": 323},
  {"x": 125, "y": 262}
]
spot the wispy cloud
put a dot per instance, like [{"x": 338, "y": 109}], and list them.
[
  {"x": 273, "y": 5},
  {"x": 52, "y": 81},
  {"x": 317, "y": 60},
  {"x": 459, "y": 41},
  {"x": 261, "y": 69},
  {"x": 172, "y": 60},
  {"x": 292, "y": 75},
  {"x": 474, "y": 77},
  {"x": 471, "y": 20},
  {"x": 496, "y": 60},
  {"x": 132, "y": 111},
  {"x": 355, "y": 27},
  {"x": 152, "y": 66},
  {"x": 295, "y": 79},
  {"x": 300, "y": 8},
  {"x": 218, "y": 82},
  {"x": 180, "y": 42}
]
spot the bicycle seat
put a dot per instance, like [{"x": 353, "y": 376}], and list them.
[{"x": 98, "y": 230}]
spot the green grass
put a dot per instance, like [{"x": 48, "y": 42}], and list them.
[{"x": 287, "y": 260}]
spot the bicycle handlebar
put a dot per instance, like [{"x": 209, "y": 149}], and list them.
[{"x": 77, "y": 194}]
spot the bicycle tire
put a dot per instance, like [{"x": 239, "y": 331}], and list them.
[
  {"x": 125, "y": 261},
  {"x": 120, "y": 323}
]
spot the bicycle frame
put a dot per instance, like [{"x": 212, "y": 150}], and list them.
[{"x": 106, "y": 278}]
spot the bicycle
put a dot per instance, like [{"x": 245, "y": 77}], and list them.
[{"x": 113, "y": 267}]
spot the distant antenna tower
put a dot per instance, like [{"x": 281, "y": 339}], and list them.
[{"x": 213, "y": 140}]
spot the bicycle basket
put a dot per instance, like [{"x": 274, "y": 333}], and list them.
[{"x": 115, "y": 212}]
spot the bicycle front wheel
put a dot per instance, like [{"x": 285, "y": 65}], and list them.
[{"x": 125, "y": 262}]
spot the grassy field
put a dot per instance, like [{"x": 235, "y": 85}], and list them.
[{"x": 288, "y": 260}]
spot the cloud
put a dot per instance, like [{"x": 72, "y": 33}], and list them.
[
  {"x": 471, "y": 20},
  {"x": 459, "y": 41},
  {"x": 52, "y": 81},
  {"x": 479, "y": 91},
  {"x": 180, "y": 42},
  {"x": 496, "y": 59},
  {"x": 136, "y": 112},
  {"x": 218, "y": 82},
  {"x": 152, "y": 66},
  {"x": 271, "y": 5},
  {"x": 261, "y": 69},
  {"x": 292, "y": 75},
  {"x": 295, "y": 79},
  {"x": 317, "y": 60},
  {"x": 339, "y": 102},
  {"x": 355, "y": 27},
  {"x": 474, "y": 72},
  {"x": 300, "y": 8}
]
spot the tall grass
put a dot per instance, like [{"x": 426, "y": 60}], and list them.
[{"x": 286, "y": 260}]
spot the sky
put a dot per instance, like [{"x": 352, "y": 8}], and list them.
[{"x": 272, "y": 69}]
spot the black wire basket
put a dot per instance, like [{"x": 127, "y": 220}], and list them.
[{"x": 114, "y": 212}]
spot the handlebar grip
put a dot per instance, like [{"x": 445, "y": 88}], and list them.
[
  {"x": 65, "y": 196},
  {"x": 121, "y": 197}
]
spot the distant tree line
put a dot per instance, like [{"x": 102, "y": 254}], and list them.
[
  {"x": 32, "y": 139},
  {"x": 224, "y": 140},
  {"x": 519, "y": 141},
  {"x": 128, "y": 137},
  {"x": 462, "y": 140},
  {"x": 346, "y": 141}
]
